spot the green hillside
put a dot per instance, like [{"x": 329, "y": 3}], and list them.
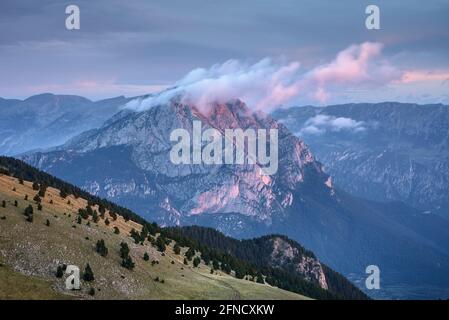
[{"x": 32, "y": 251}]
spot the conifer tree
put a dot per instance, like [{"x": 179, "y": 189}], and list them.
[
  {"x": 101, "y": 248},
  {"x": 59, "y": 272},
  {"x": 196, "y": 262},
  {"x": 128, "y": 263},
  {"x": 124, "y": 250},
  {"x": 88, "y": 274},
  {"x": 177, "y": 248},
  {"x": 28, "y": 210}
]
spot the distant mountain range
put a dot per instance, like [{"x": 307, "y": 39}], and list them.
[
  {"x": 384, "y": 151},
  {"x": 127, "y": 160},
  {"x": 48, "y": 120}
]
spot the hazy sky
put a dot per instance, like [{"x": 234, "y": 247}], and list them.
[{"x": 136, "y": 47}]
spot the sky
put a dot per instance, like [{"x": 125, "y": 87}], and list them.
[{"x": 294, "y": 52}]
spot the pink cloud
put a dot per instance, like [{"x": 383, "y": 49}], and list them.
[{"x": 423, "y": 75}]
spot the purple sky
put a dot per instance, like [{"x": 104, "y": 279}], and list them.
[{"x": 136, "y": 47}]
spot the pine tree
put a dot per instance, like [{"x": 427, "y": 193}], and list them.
[
  {"x": 59, "y": 272},
  {"x": 190, "y": 253},
  {"x": 101, "y": 248},
  {"x": 37, "y": 198},
  {"x": 177, "y": 248},
  {"x": 239, "y": 273},
  {"x": 146, "y": 257},
  {"x": 20, "y": 180},
  {"x": 260, "y": 278},
  {"x": 28, "y": 210},
  {"x": 116, "y": 230},
  {"x": 16, "y": 204},
  {"x": 106, "y": 222},
  {"x": 78, "y": 220},
  {"x": 124, "y": 250},
  {"x": 4, "y": 204},
  {"x": 42, "y": 191},
  {"x": 128, "y": 263},
  {"x": 26, "y": 197},
  {"x": 35, "y": 186},
  {"x": 95, "y": 216},
  {"x": 88, "y": 274},
  {"x": 39, "y": 207},
  {"x": 47, "y": 223},
  {"x": 196, "y": 262},
  {"x": 185, "y": 261},
  {"x": 160, "y": 244},
  {"x": 63, "y": 194}
]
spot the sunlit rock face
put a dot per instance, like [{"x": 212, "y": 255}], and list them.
[{"x": 146, "y": 177}]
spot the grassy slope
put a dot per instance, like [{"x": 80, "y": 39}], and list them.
[{"x": 34, "y": 251}]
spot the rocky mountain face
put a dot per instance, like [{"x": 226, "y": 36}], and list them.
[
  {"x": 383, "y": 152},
  {"x": 127, "y": 160},
  {"x": 188, "y": 190},
  {"x": 286, "y": 255},
  {"x": 48, "y": 120}
]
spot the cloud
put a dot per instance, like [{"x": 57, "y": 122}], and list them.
[
  {"x": 321, "y": 124},
  {"x": 268, "y": 83},
  {"x": 423, "y": 75},
  {"x": 356, "y": 66}
]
